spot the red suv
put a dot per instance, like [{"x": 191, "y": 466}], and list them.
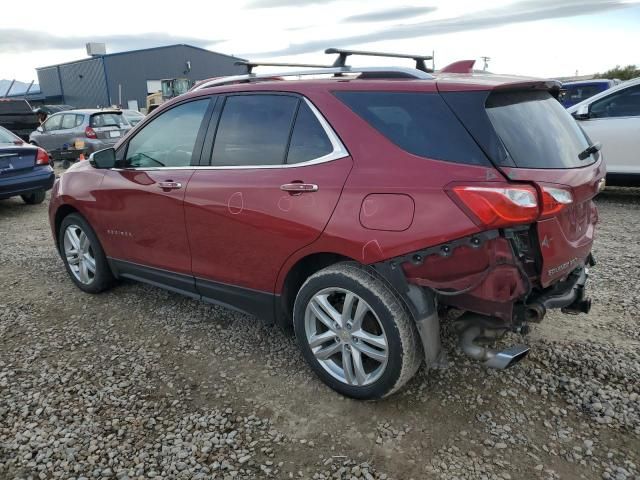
[{"x": 355, "y": 207}]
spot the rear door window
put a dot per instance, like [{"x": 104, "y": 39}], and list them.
[
  {"x": 69, "y": 121},
  {"x": 309, "y": 141},
  {"x": 536, "y": 130},
  {"x": 254, "y": 130},
  {"x": 419, "y": 123}
]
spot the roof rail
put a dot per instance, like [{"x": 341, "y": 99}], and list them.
[
  {"x": 393, "y": 72},
  {"x": 251, "y": 65},
  {"x": 344, "y": 53}
]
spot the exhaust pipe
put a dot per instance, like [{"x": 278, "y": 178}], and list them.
[{"x": 477, "y": 327}]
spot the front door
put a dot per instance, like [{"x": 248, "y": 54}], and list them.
[
  {"x": 143, "y": 224},
  {"x": 615, "y": 121},
  {"x": 275, "y": 176},
  {"x": 48, "y": 138}
]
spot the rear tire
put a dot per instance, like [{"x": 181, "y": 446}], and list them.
[
  {"x": 367, "y": 350},
  {"x": 34, "y": 198},
  {"x": 83, "y": 255},
  {"x": 66, "y": 164}
]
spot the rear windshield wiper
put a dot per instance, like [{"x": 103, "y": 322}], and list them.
[{"x": 590, "y": 150}]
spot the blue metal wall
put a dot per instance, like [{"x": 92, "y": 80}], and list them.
[
  {"x": 131, "y": 70},
  {"x": 97, "y": 81},
  {"x": 83, "y": 84},
  {"x": 49, "y": 81}
]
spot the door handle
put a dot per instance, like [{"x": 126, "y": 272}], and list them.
[
  {"x": 298, "y": 188},
  {"x": 170, "y": 185}
]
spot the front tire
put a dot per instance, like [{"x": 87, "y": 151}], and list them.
[
  {"x": 355, "y": 332},
  {"x": 83, "y": 255},
  {"x": 34, "y": 198}
]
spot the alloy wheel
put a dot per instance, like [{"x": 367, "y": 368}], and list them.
[
  {"x": 79, "y": 254},
  {"x": 346, "y": 336}
]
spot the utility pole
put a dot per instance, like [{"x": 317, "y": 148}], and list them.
[{"x": 486, "y": 61}]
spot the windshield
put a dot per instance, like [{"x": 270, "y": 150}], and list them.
[
  {"x": 537, "y": 131},
  {"x": 108, "y": 120}
]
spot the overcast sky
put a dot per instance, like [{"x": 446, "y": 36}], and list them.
[{"x": 528, "y": 37}]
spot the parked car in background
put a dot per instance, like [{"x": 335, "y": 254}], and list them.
[
  {"x": 17, "y": 116},
  {"x": 353, "y": 207},
  {"x": 575, "y": 92},
  {"x": 133, "y": 116},
  {"x": 613, "y": 118},
  {"x": 24, "y": 169},
  {"x": 66, "y": 135}
]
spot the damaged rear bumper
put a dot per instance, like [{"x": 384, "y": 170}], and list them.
[
  {"x": 502, "y": 286},
  {"x": 568, "y": 295}
]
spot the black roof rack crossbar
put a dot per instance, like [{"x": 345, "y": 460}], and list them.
[
  {"x": 344, "y": 53},
  {"x": 251, "y": 65}
]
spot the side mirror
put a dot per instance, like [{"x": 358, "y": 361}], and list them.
[
  {"x": 582, "y": 113},
  {"x": 40, "y": 129},
  {"x": 103, "y": 158}
]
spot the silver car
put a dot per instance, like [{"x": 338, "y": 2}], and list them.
[{"x": 66, "y": 135}]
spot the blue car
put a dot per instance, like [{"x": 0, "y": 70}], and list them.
[
  {"x": 575, "y": 92},
  {"x": 24, "y": 169}
]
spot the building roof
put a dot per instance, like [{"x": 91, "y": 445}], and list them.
[{"x": 127, "y": 52}]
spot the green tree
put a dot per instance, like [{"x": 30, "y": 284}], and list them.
[{"x": 623, "y": 73}]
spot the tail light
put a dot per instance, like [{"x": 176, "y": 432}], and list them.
[
  {"x": 43, "y": 157},
  {"x": 554, "y": 200},
  {"x": 499, "y": 206},
  {"x": 90, "y": 133}
]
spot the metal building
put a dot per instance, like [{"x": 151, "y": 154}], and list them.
[{"x": 128, "y": 77}]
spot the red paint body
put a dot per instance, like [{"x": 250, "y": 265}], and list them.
[{"x": 236, "y": 226}]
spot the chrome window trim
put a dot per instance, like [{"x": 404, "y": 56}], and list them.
[{"x": 339, "y": 151}]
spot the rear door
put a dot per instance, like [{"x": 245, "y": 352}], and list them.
[
  {"x": 68, "y": 132},
  {"x": 49, "y": 137},
  {"x": 615, "y": 122},
  {"x": 273, "y": 178}
]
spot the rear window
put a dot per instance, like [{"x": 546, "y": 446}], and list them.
[
  {"x": 6, "y": 136},
  {"x": 419, "y": 123},
  {"x": 108, "y": 120},
  {"x": 536, "y": 130}
]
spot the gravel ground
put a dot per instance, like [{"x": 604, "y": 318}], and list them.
[{"x": 142, "y": 383}]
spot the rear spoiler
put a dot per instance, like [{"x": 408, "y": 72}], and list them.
[{"x": 461, "y": 66}]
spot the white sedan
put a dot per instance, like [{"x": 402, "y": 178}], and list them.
[{"x": 612, "y": 117}]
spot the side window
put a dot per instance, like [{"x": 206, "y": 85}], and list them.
[
  {"x": 254, "y": 130},
  {"x": 79, "y": 120},
  {"x": 308, "y": 140},
  {"x": 625, "y": 103},
  {"x": 68, "y": 121},
  {"x": 53, "y": 123},
  {"x": 419, "y": 123},
  {"x": 169, "y": 140}
]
